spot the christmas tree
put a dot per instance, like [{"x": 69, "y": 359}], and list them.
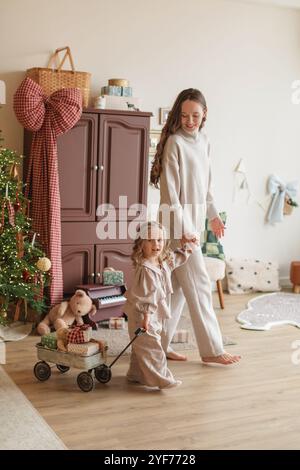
[{"x": 23, "y": 266}]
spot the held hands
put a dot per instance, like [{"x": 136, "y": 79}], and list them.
[
  {"x": 217, "y": 227},
  {"x": 188, "y": 239}
]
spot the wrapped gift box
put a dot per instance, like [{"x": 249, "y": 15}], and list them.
[
  {"x": 111, "y": 90},
  {"x": 80, "y": 334},
  {"x": 126, "y": 91},
  {"x": 114, "y": 323},
  {"x": 116, "y": 90},
  {"x": 117, "y": 323},
  {"x": 112, "y": 278},
  {"x": 181, "y": 336},
  {"x": 49, "y": 341},
  {"x": 84, "y": 349}
]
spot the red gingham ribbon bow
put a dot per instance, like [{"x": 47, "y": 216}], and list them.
[{"x": 47, "y": 117}]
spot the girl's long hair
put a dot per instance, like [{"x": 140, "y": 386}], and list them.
[
  {"x": 137, "y": 251},
  {"x": 173, "y": 123}
]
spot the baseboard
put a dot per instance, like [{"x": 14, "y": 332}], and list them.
[{"x": 285, "y": 282}]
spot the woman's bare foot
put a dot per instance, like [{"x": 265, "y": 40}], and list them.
[
  {"x": 224, "y": 359},
  {"x": 174, "y": 356}
]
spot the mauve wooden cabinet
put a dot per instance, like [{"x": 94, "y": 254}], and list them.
[{"x": 103, "y": 157}]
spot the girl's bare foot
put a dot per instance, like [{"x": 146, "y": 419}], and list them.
[
  {"x": 224, "y": 359},
  {"x": 174, "y": 356}
]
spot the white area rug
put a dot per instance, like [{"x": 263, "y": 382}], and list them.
[
  {"x": 22, "y": 427},
  {"x": 118, "y": 339},
  {"x": 269, "y": 310},
  {"x": 15, "y": 331}
]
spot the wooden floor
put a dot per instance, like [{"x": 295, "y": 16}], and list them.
[{"x": 254, "y": 405}]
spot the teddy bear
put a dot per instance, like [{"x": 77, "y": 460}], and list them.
[
  {"x": 62, "y": 338},
  {"x": 64, "y": 314}
]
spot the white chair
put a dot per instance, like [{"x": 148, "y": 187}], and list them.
[{"x": 216, "y": 271}]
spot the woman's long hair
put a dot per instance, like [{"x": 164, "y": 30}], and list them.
[{"x": 173, "y": 123}]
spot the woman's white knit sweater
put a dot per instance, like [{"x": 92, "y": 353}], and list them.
[{"x": 185, "y": 184}]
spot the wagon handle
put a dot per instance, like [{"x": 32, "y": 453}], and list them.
[{"x": 137, "y": 333}]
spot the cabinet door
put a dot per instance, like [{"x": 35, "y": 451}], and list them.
[
  {"x": 78, "y": 266},
  {"x": 117, "y": 257},
  {"x": 123, "y": 153},
  {"x": 77, "y": 160}
]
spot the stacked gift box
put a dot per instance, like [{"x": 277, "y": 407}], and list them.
[
  {"x": 118, "y": 95},
  {"x": 49, "y": 341},
  {"x": 116, "y": 90},
  {"x": 79, "y": 341},
  {"x": 117, "y": 87},
  {"x": 113, "y": 323},
  {"x": 180, "y": 336},
  {"x": 112, "y": 277}
]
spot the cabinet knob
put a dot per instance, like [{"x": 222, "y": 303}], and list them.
[
  {"x": 98, "y": 274},
  {"x": 95, "y": 167},
  {"x": 92, "y": 275},
  {"x": 101, "y": 167}
]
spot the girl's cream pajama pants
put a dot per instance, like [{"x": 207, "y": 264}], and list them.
[{"x": 148, "y": 362}]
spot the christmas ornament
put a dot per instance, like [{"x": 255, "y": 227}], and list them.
[
  {"x": 14, "y": 174},
  {"x": 38, "y": 280},
  {"x": 20, "y": 245},
  {"x": 17, "y": 204},
  {"x": 11, "y": 212},
  {"x": 26, "y": 208},
  {"x": 43, "y": 264},
  {"x": 25, "y": 275},
  {"x": 33, "y": 240}
]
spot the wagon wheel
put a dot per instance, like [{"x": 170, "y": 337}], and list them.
[
  {"x": 103, "y": 373},
  {"x": 42, "y": 371},
  {"x": 62, "y": 368},
  {"x": 85, "y": 381}
]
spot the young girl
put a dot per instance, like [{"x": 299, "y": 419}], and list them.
[
  {"x": 147, "y": 305},
  {"x": 182, "y": 166}
]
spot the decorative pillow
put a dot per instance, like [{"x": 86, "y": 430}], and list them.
[
  {"x": 248, "y": 275},
  {"x": 209, "y": 243}
]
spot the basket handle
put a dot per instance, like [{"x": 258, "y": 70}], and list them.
[{"x": 55, "y": 56}]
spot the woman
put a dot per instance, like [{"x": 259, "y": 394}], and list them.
[{"x": 182, "y": 167}]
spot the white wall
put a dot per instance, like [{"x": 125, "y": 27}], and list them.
[{"x": 243, "y": 56}]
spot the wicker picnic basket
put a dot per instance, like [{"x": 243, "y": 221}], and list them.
[{"x": 51, "y": 79}]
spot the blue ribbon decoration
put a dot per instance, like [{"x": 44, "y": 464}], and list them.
[{"x": 279, "y": 192}]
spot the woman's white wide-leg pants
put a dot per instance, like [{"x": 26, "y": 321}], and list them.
[{"x": 191, "y": 283}]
